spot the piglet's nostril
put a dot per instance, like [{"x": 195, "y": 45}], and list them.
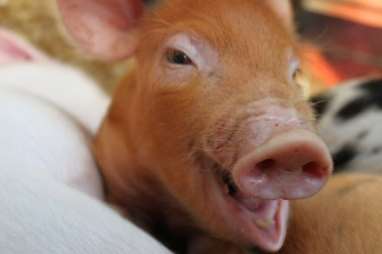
[
  {"x": 313, "y": 169},
  {"x": 266, "y": 164},
  {"x": 291, "y": 165}
]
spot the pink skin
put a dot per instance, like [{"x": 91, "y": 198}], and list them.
[
  {"x": 15, "y": 49},
  {"x": 291, "y": 165},
  {"x": 279, "y": 158},
  {"x": 115, "y": 17}
]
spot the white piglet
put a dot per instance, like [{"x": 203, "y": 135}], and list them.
[
  {"x": 51, "y": 191},
  {"x": 350, "y": 122}
]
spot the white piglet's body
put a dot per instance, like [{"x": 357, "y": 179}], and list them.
[
  {"x": 350, "y": 122},
  {"x": 51, "y": 198},
  {"x": 48, "y": 115}
]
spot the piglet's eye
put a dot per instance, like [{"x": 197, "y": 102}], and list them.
[{"x": 175, "y": 56}]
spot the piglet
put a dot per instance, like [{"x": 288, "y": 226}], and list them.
[
  {"x": 51, "y": 191},
  {"x": 48, "y": 114},
  {"x": 209, "y": 135},
  {"x": 344, "y": 218},
  {"x": 350, "y": 123}
]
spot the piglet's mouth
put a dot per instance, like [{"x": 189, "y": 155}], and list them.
[
  {"x": 264, "y": 222},
  {"x": 294, "y": 164}
]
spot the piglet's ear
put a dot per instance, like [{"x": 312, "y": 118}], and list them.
[
  {"x": 104, "y": 28},
  {"x": 283, "y": 9}
]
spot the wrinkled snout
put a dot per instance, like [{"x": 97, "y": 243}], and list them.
[
  {"x": 295, "y": 164},
  {"x": 280, "y": 157}
]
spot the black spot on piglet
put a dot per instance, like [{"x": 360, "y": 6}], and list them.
[
  {"x": 344, "y": 156},
  {"x": 370, "y": 98},
  {"x": 355, "y": 107},
  {"x": 372, "y": 87}
]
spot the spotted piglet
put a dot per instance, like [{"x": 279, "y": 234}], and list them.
[
  {"x": 209, "y": 136},
  {"x": 350, "y": 122}
]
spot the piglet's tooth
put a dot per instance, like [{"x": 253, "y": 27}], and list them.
[{"x": 264, "y": 223}]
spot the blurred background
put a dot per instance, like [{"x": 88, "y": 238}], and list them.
[{"x": 342, "y": 39}]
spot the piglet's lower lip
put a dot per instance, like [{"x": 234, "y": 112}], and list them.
[
  {"x": 272, "y": 236},
  {"x": 265, "y": 220}
]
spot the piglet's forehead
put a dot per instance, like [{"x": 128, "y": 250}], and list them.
[{"x": 245, "y": 20}]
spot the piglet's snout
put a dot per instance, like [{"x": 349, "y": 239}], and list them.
[{"x": 291, "y": 162}]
